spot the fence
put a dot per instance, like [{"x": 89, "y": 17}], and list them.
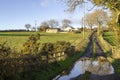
[{"x": 114, "y": 50}]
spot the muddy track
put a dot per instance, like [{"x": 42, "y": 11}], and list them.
[
  {"x": 98, "y": 49},
  {"x": 98, "y": 52},
  {"x": 89, "y": 50},
  {"x": 94, "y": 48}
]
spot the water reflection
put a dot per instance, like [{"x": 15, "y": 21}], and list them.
[
  {"x": 77, "y": 70},
  {"x": 100, "y": 66}
]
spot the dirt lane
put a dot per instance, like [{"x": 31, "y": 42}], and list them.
[
  {"x": 98, "y": 49},
  {"x": 98, "y": 52},
  {"x": 88, "y": 52}
]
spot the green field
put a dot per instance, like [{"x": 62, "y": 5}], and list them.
[
  {"x": 110, "y": 38},
  {"x": 17, "y": 39}
]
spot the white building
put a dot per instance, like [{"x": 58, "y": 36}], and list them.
[{"x": 68, "y": 29}]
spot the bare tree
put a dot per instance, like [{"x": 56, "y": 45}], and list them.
[
  {"x": 112, "y": 5},
  {"x": 100, "y": 18},
  {"x": 33, "y": 28},
  {"x": 66, "y": 23},
  {"x": 89, "y": 20},
  {"x": 27, "y": 26},
  {"x": 44, "y": 25},
  {"x": 53, "y": 23}
]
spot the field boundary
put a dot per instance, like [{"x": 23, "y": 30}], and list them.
[
  {"x": 108, "y": 48},
  {"x": 13, "y": 66}
]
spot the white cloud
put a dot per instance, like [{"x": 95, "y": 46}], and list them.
[{"x": 44, "y": 3}]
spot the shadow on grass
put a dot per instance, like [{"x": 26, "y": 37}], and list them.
[
  {"x": 116, "y": 65},
  {"x": 15, "y": 34}
]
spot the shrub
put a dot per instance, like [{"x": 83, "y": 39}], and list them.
[
  {"x": 5, "y": 50},
  {"x": 77, "y": 31},
  {"x": 31, "y": 46},
  {"x": 59, "y": 46},
  {"x": 46, "y": 48},
  {"x": 64, "y": 46}
]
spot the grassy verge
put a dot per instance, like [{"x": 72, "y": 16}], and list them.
[
  {"x": 116, "y": 65},
  {"x": 94, "y": 50},
  {"x": 109, "y": 37}
]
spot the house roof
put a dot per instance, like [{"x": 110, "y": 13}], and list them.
[
  {"x": 69, "y": 27},
  {"x": 53, "y": 28}
]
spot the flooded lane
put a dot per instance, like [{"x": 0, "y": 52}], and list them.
[
  {"x": 97, "y": 67},
  {"x": 100, "y": 67},
  {"x": 76, "y": 71}
]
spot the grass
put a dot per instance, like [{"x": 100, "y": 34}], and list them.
[
  {"x": 49, "y": 71},
  {"x": 94, "y": 49},
  {"x": 110, "y": 38},
  {"x": 86, "y": 76},
  {"x": 116, "y": 65},
  {"x": 17, "y": 39}
]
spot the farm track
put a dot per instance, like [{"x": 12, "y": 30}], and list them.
[{"x": 99, "y": 52}]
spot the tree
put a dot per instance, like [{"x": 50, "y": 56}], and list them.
[
  {"x": 53, "y": 23},
  {"x": 113, "y": 5},
  {"x": 66, "y": 23},
  {"x": 33, "y": 28},
  {"x": 89, "y": 20},
  {"x": 100, "y": 18},
  {"x": 27, "y": 26},
  {"x": 44, "y": 25}
]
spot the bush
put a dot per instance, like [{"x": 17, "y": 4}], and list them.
[
  {"x": 77, "y": 31},
  {"x": 46, "y": 48},
  {"x": 5, "y": 50},
  {"x": 31, "y": 46},
  {"x": 64, "y": 46},
  {"x": 59, "y": 46}
]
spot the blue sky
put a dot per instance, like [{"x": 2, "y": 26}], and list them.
[{"x": 14, "y": 14}]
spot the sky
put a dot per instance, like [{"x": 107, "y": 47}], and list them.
[{"x": 14, "y": 14}]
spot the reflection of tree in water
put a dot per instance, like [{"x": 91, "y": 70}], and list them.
[{"x": 100, "y": 66}]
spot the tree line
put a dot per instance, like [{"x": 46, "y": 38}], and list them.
[
  {"x": 52, "y": 23},
  {"x": 112, "y": 5}
]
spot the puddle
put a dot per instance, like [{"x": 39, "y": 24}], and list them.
[{"x": 100, "y": 66}]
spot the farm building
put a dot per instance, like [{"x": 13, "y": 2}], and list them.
[
  {"x": 69, "y": 29},
  {"x": 53, "y": 30}
]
